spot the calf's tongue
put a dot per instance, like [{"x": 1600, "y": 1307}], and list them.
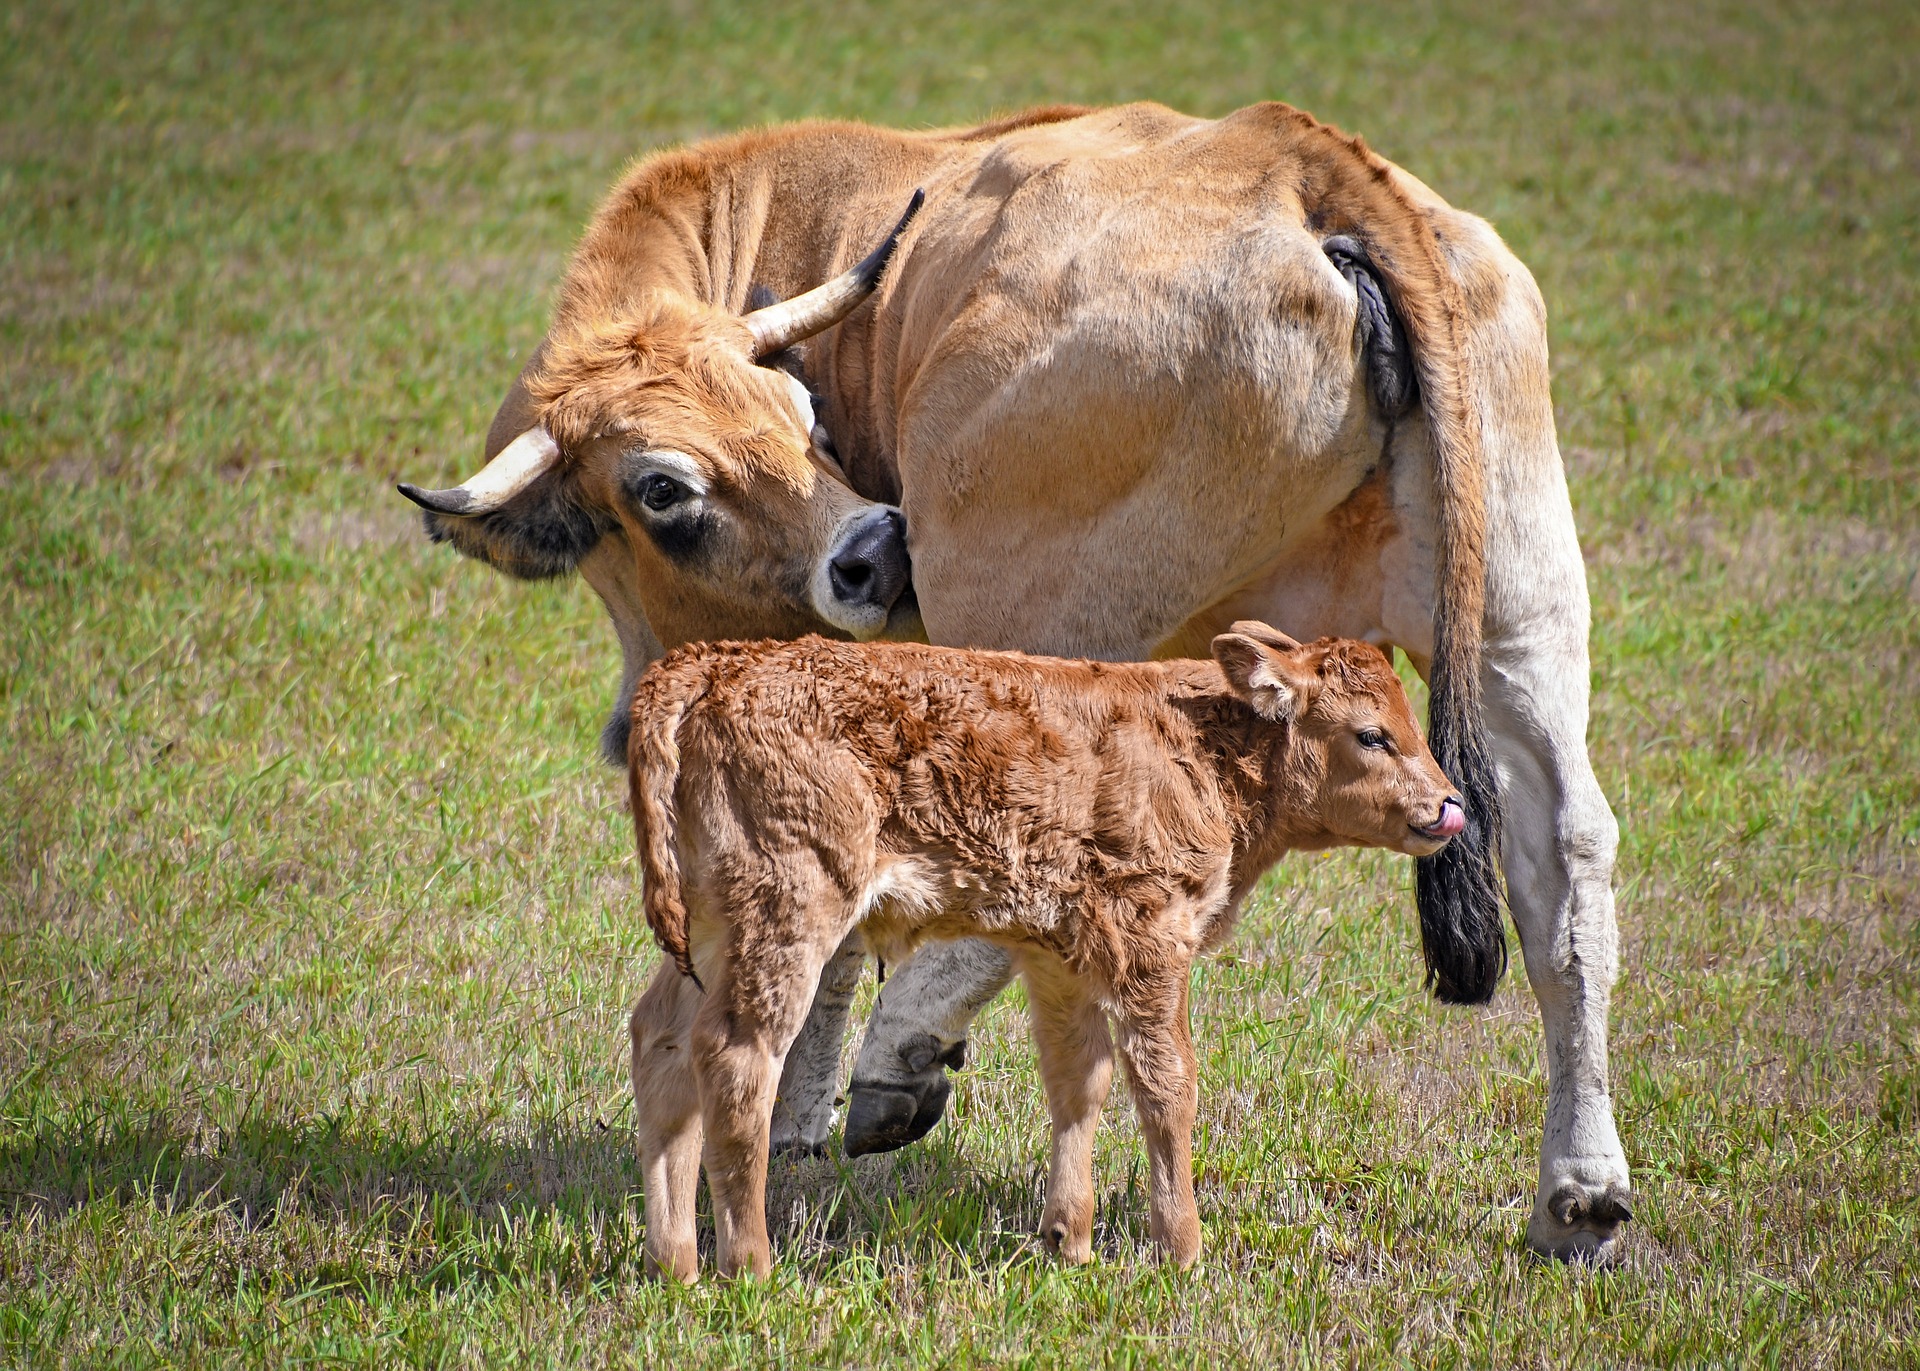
[{"x": 1451, "y": 823}]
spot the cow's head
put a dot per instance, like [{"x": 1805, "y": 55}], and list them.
[
  {"x": 1354, "y": 764},
  {"x": 664, "y": 431}
]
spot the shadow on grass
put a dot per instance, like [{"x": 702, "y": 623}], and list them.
[{"x": 480, "y": 1203}]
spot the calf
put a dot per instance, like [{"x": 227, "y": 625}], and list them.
[{"x": 1101, "y": 821}]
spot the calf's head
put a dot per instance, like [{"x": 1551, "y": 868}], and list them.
[
  {"x": 662, "y": 430},
  {"x": 1353, "y": 762}
]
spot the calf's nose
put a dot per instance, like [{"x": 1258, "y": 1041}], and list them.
[
  {"x": 1452, "y": 821},
  {"x": 871, "y": 567}
]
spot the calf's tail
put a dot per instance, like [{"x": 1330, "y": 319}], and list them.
[
  {"x": 661, "y": 701},
  {"x": 1462, "y": 930}
]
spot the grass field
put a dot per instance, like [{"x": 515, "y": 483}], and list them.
[{"x": 317, "y": 916}]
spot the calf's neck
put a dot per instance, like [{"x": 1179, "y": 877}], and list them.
[{"x": 1102, "y": 821}]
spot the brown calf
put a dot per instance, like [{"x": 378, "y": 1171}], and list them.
[{"x": 1101, "y": 821}]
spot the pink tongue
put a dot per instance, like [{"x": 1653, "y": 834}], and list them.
[{"x": 1451, "y": 823}]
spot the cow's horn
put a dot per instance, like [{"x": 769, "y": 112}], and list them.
[
  {"x": 512, "y": 470},
  {"x": 782, "y": 325}
]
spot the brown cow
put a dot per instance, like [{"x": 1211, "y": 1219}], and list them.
[
  {"x": 1102, "y": 822},
  {"x": 1129, "y": 376}
]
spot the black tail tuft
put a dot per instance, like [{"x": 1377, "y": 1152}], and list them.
[
  {"x": 1458, "y": 889},
  {"x": 1384, "y": 341}
]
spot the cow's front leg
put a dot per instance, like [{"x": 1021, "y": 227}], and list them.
[
  {"x": 1558, "y": 848},
  {"x": 803, "y": 1113},
  {"x": 918, "y": 1030}
]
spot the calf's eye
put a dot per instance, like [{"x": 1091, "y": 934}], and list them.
[
  {"x": 659, "y": 492},
  {"x": 1373, "y": 738}
]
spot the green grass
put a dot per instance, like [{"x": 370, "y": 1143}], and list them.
[{"x": 317, "y": 917}]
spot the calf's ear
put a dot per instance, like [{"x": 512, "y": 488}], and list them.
[
  {"x": 1263, "y": 633},
  {"x": 1270, "y": 680}
]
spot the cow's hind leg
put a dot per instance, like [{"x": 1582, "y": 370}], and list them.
[
  {"x": 666, "y": 1112},
  {"x": 1164, "y": 1080},
  {"x": 1076, "y": 1066},
  {"x": 918, "y": 1030},
  {"x": 1558, "y": 848}
]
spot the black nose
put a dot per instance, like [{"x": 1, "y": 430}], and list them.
[{"x": 871, "y": 567}]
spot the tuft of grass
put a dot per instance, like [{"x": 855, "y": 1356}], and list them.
[{"x": 317, "y": 917}]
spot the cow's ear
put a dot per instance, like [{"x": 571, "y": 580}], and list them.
[{"x": 1277, "y": 686}]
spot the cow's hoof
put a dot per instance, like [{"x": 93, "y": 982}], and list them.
[
  {"x": 1581, "y": 1224},
  {"x": 883, "y": 1117},
  {"x": 795, "y": 1148}
]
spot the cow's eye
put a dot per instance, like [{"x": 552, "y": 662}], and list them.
[
  {"x": 659, "y": 492},
  {"x": 1373, "y": 738}
]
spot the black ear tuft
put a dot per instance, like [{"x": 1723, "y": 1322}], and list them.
[
  {"x": 613, "y": 738},
  {"x": 540, "y": 534}
]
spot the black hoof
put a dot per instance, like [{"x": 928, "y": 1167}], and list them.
[
  {"x": 883, "y": 1117},
  {"x": 1609, "y": 1209},
  {"x": 1580, "y": 1226},
  {"x": 795, "y": 1149}
]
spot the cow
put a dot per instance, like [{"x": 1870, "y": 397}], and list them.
[
  {"x": 1128, "y": 376},
  {"x": 1100, "y": 822}
]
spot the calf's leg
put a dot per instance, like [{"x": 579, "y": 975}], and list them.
[
  {"x": 1165, "y": 1082},
  {"x": 666, "y": 1113},
  {"x": 918, "y": 1030},
  {"x": 1076, "y": 1065},
  {"x": 757, "y": 997}
]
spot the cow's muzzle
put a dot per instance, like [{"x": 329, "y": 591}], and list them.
[{"x": 865, "y": 573}]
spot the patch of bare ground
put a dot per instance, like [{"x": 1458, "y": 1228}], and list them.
[
  {"x": 1830, "y": 555},
  {"x": 47, "y": 290},
  {"x": 350, "y": 529}
]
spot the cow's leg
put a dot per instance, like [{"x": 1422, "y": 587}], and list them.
[
  {"x": 917, "y": 1031},
  {"x": 803, "y": 1112},
  {"x": 754, "y": 1005},
  {"x": 1164, "y": 1079},
  {"x": 1558, "y": 848},
  {"x": 666, "y": 1112},
  {"x": 1076, "y": 1066}
]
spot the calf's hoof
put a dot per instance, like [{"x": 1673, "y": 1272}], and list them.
[
  {"x": 883, "y": 1115},
  {"x": 1581, "y": 1223},
  {"x": 677, "y": 1265},
  {"x": 1061, "y": 1241}
]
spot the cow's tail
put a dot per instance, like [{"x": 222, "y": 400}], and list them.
[
  {"x": 661, "y": 701},
  {"x": 1458, "y": 889}
]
